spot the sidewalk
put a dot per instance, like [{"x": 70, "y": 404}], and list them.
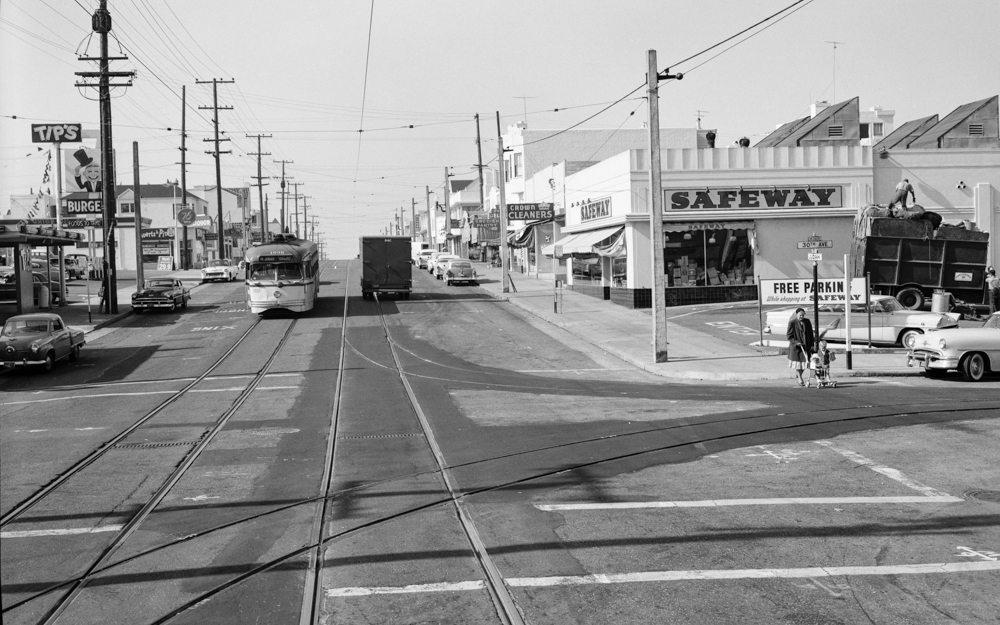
[
  {"x": 622, "y": 332},
  {"x": 692, "y": 355}
]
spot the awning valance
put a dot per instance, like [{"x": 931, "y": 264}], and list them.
[
  {"x": 613, "y": 247},
  {"x": 583, "y": 243},
  {"x": 689, "y": 226},
  {"x": 522, "y": 237}
]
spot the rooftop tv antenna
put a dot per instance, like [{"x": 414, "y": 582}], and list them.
[{"x": 835, "y": 44}]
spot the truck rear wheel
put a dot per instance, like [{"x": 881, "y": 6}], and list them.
[{"x": 911, "y": 298}]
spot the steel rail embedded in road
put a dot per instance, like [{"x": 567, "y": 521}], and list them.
[
  {"x": 83, "y": 463},
  {"x": 502, "y": 600},
  {"x": 312, "y": 598},
  {"x": 57, "y": 610}
]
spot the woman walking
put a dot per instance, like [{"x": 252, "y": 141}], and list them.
[{"x": 800, "y": 343}]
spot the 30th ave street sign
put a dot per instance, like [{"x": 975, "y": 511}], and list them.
[
  {"x": 531, "y": 212},
  {"x": 813, "y": 245}
]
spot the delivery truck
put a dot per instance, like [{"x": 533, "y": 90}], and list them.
[
  {"x": 386, "y": 266},
  {"x": 912, "y": 261}
]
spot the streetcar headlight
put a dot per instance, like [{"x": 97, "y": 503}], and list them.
[{"x": 277, "y": 295}]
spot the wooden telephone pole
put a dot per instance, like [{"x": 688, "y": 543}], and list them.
[
  {"x": 217, "y": 154},
  {"x": 260, "y": 188}
]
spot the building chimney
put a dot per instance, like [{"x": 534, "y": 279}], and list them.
[{"x": 817, "y": 107}]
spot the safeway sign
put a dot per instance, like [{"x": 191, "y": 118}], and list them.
[{"x": 829, "y": 290}]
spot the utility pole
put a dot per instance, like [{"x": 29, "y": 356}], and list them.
[
  {"x": 305, "y": 218},
  {"x": 653, "y": 78},
  {"x": 447, "y": 209},
  {"x": 413, "y": 219},
  {"x": 295, "y": 198},
  {"x": 430, "y": 219},
  {"x": 137, "y": 198},
  {"x": 260, "y": 188},
  {"x": 186, "y": 251},
  {"x": 503, "y": 212},
  {"x": 281, "y": 227},
  {"x": 479, "y": 166},
  {"x": 101, "y": 24},
  {"x": 218, "y": 161}
]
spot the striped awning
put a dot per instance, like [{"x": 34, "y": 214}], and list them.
[{"x": 582, "y": 243}]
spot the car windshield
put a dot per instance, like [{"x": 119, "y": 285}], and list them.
[
  {"x": 890, "y": 304},
  {"x": 150, "y": 284},
  {"x": 276, "y": 271},
  {"x": 461, "y": 265},
  {"x": 218, "y": 263},
  {"x": 16, "y": 327}
]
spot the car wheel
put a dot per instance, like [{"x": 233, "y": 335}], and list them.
[
  {"x": 74, "y": 354},
  {"x": 909, "y": 337},
  {"x": 974, "y": 367},
  {"x": 911, "y": 298},
  {"x": 50, "y": 361}
]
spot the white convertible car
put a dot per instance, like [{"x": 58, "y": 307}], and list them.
[{"x": 973, "y": 351}]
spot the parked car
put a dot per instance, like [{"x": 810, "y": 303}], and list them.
[
  {"x": 83, "y": 261},
  {"x": 439, "y": 264},
  {"x": 460, "y": 271},
  {"x": 220, "y": 269},
  {"x": 38, "y": 339},
  {"x": 973, "y": 351},
  {"x": 169, "y": 293},
  {"x": 892, "y": 324},
  {"x": 53, "y": 269},
  {"x": 430, "y": 261},
  {"x": 422, "y": 258},
  {"x": 75, "y": 269},
  {"x": 8, "y": 287}
]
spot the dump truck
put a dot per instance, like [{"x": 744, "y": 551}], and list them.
[
  {"x": 911, "y": 260},
  {"x": 386, "y": 266}
]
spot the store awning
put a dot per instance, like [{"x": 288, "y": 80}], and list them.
[
  {"x": 522, "y": 237},
  {"x": 613, "y": 247},
  {"x": 583, "y": 243}
]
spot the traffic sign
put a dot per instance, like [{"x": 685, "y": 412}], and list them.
[
  {"x": 815, "y": 256},
  {"x": 812, "y": 244}
]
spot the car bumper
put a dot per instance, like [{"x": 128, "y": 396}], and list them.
[
  {"x": 929, "y": 359},
  {"x": 21, "y": 362},
  {"x": 156, "y": 304}
]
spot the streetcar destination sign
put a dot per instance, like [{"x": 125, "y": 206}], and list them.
[
  {"x": 812, "y": 245},
  {"x": 531, "y": 212}
]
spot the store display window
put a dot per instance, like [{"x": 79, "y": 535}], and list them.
[
  {"x": 587, "y": 270},
  {"x": 708, "y": 256}
]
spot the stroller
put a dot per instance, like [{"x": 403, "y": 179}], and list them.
[{"x": 821, "y": 368}]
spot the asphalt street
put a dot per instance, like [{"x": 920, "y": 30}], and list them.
[{"x": 462, "y": 432}]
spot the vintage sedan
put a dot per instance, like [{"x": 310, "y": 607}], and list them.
[
  {"x": 169, "y": 293},
  {"x": 460, "y": 271},
  {"x": 8, "y": 287},
  {"x": 973, "y": 351},
  {"x": 891, "y": 323},
  {"x": 220, "y": 269},
  {"x": 422, "y": 258},
  {"x": 440, "y": 263},
  {"x": 38, "y": 339}
]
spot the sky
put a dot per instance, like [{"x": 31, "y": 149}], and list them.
[{"x": 412, "y": 74}]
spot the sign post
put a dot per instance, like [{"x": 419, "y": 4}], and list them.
[
  {"x": 557, "y": 251},
  {"x": 847, "y": 307}
]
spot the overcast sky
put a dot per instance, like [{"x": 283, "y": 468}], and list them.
[{"x": 314, "y": 72}]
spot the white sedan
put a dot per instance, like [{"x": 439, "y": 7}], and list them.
[
  {"x": 891, "y": 323},
  {"x": 973, "y": 351},
  {"x": 223, "y": 269}
]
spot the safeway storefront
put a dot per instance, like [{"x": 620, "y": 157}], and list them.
[{"x": 731, "y": 217}]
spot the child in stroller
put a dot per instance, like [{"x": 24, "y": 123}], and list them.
[{"x": 819, "y": 363}]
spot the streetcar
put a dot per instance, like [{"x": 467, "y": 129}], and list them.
[{"x": 282, "y": 275}]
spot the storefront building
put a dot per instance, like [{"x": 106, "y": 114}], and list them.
[{"x": 734, "y": 216}]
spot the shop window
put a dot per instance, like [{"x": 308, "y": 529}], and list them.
[
  {"x": 587, "y": 270},
  {"x": 878, "y": 129},
  {"x": 835, "y": 131},
  {"x": 708, "y": 258},
  {"x": 619, "y": 271}
]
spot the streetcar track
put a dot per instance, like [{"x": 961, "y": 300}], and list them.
[
  {"x": 83, "y": 463},
  {"x": 193, "y": 454},
  {"x": 496, "y": 487}
]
